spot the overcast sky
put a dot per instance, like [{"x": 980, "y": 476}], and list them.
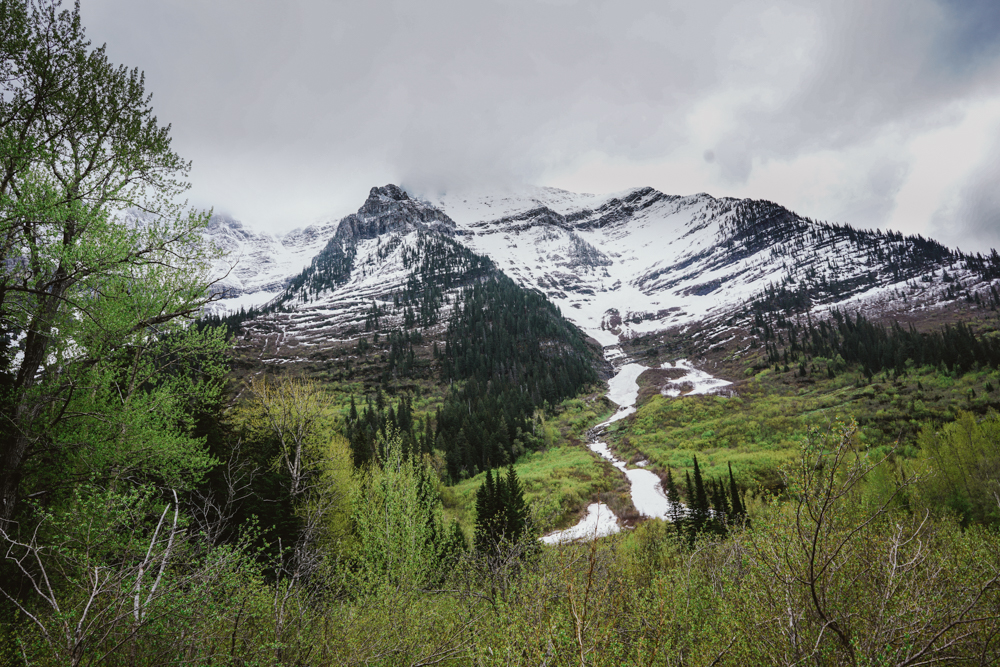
[{"x": 874, "y": 112}]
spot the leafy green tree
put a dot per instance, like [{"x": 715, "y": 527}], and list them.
[
  {"x": 965, "y": 458},
  {"x": 100, "y": 266},
  {"x": 400, "y": 535}
]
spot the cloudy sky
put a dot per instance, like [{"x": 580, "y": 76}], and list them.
[{"x": 875, "y": 112}]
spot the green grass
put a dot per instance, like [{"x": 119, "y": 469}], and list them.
[
  {"x": 560, "y": 480},
  {"x": 762, "y": 429}
]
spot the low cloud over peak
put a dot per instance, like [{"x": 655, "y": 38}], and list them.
[{"x": 294, "y": 110}]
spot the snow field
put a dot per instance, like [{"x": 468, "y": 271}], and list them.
[{"x": 599, "y": 522}]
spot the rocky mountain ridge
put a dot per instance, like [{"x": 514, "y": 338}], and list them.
[{"x": 618, "y": 266}]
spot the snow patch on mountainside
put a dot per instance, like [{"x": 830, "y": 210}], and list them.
[
  {"x": 258, "y": 264},
  {"x": 617, "y": 265},
  {"x": 624, "y": 390},
  {"x": 694, "y": 382},
  {"x": 640, "y": 261}
]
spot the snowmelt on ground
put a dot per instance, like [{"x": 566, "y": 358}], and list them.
[
  {"x": 624, "y": 390},
  {"x": 702, "y": 382},
  {"x": 599, "y": 522},
  {"x": 647, "y": 493}
]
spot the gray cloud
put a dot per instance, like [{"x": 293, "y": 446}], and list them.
[
  {"x": 296, "y": 108},
  {"x": 970, "y": 218}
]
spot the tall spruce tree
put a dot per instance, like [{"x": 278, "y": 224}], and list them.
[
  {"x": 501, "y": 511},
  {"x": 720, "y": 503},
  {"x": 487, "y": 509},
  {"x": 673, "y": 496},
  {"x": 690, "y": 520},
  {"x": 515, "y": 507}
]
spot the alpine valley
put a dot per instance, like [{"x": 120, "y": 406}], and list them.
[
  {"x": 503, "y": 428},
  {"x": 728, "y": 328}
]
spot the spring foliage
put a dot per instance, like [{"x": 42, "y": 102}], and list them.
[{"x": 98, "y": 375}]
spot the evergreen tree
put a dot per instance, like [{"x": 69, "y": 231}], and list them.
[
  {"x": 673, "y": 497},
  {"x": 691, "y": 519},
  {"x": 515, "y": 508},
  {"x": 501, "y": 511},
  {"x": 720, "y": 504},
  {"x": 487, "y": 510}
]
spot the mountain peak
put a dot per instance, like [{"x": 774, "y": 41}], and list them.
[
  {"x": 389, "y": 209},
  {"x": 390, "y": 191}
]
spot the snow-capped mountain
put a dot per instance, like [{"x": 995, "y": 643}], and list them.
[
  {"x": 257, "y": 265},
  {"x": 641, "y": 261},
  {"x": 617, "y": 265}
]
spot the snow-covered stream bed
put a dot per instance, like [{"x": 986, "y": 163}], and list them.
[{"x": 647, "y": 493}]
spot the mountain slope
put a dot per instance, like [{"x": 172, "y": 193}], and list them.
[
  {"x": 642, "y": 261},
  {"x": 618, "y": 266}
]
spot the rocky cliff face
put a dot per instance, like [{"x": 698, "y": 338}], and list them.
[
  {"x": 389, "y": 210},
  {"x": 258, "y": 265}
]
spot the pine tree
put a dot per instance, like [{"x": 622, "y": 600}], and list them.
[
  {"x": 515, "y": 509},
  {"x": 673, "y": 497},
  {"x": 486, "y": 514},
  {"x": 691, "y": 520},
  {"x": 501, "y": 511},
  {"x": 719, "y": 502}
]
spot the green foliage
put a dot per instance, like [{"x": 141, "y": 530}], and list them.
[
  {"x": 964, "y": 457},
  {"x": 90, "y": 298},
  {"x": 283, "y": 439},
  {"x": 502, "y": 515},
  {"x": 400, "y": 535}
]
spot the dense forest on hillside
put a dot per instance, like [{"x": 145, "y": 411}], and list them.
[
  {"x": 507, "y": 352},
  {"x": 877, "y": 347},
  {"x": 516, "y": 354}
]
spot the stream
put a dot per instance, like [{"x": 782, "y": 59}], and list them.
[{"x": 647, "y": 494}]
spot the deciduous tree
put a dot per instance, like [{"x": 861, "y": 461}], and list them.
[{"x": 98, "y": 266}]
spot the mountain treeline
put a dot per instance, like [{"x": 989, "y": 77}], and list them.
[
  {"x": 877, "y": 347},
  {"x": 516, "y": 353}
]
